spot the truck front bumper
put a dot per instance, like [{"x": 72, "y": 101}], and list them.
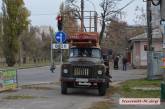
[{"x": 88, "y": 80}]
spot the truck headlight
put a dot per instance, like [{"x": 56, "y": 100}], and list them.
[
  {"x": 65, "y": 71},
  {"x": 99, "y": 72}
]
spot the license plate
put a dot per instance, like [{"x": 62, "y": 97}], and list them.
[
  {"x": 81, "y": 80},
  {"x": 84, "y": 84}
]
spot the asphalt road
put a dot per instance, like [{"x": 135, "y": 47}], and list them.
[
  {"x": 37, "y": 75},
  {"x": 49, "y": 97},
  {"x": 44, "y": 75}
]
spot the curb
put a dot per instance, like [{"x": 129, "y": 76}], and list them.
[
  {"x": 36, "y": 83},
  {"x": 36, "y": 66}
]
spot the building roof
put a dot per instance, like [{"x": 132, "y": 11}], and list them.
[{"x": 156, "y": 34}]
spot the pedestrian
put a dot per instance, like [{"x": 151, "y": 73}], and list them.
[
  {"x": 124, "y": 60},
  {"x": 116, "y": 62},
  {"x": 52, "y": 68}
]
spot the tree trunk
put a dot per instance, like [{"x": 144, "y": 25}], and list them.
[{"x": 102, "y": 31}]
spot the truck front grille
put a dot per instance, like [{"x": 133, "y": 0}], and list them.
[{"x": 81, "y": 71}]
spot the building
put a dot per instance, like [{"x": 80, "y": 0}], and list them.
[{"x": 139, "y": 45}]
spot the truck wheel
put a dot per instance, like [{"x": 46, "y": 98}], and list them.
[
  {"x": 63, "y": 88},
  {"x": 102, "y": 89}
]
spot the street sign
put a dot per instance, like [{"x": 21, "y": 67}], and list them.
[
  {"x": 8, "y": 79},
  {"x": 60, "y": 37},
  {"x": 60, "y": 46}
]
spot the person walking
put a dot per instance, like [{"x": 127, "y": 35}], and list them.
[
  {"x": 116, "y": 62},
  {"x": 124, "y": 60}
]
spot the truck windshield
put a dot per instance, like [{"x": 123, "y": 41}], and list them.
[{"x": 85, "y": 52}]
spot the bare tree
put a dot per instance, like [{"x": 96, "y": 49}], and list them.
[
  {"x": 141, "y": 17},
  {"x": 109, "y": 10},
  {"x": 70, "y": 24}
]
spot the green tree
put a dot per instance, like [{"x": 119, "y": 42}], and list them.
[{"x": 15, "y": 21}]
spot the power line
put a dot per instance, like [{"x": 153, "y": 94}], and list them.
[
  {"x": 126, "y": 5},
  {"x": 53, "y": 14}
]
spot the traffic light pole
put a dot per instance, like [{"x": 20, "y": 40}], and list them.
[{"x": 61, "y": 49}]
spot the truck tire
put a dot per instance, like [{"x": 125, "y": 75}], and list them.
[
  {"x": 102, "y": 89},
  {"x": 63, "y": 88}
]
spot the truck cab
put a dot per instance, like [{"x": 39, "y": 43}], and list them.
[{"x": 85, "y": 66}]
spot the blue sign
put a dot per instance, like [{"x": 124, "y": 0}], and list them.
[{"x": 60, "y": 37}]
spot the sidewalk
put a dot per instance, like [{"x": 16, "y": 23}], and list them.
[
  {"x": 116, "y": 98},
  {"x": 120, "y": 76}
]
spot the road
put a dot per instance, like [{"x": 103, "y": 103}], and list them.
[
  {"x": 48, "y": 96},
  {"x": 38, "y": 75},
  {"x": 44, "y": 75}
]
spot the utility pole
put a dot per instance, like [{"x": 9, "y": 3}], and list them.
[
  {"x": 149, "y": 35},
  {"x": 149, "y": 25},
  {"x": 95, "y": 22},
  {"x": 162, "y": 14},
  {"x": 82, "y": 15}
]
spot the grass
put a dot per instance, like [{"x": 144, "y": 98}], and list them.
[
  {"x": 126, "y": 89},
  {"x": 16, "y": 97}
]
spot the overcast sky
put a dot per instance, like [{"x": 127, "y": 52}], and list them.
[{"x": 44, "y": 12}]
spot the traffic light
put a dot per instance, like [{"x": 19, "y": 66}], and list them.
[
  {"x": 162, "y": 9},
  {"x": 59, "y": 23}
]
